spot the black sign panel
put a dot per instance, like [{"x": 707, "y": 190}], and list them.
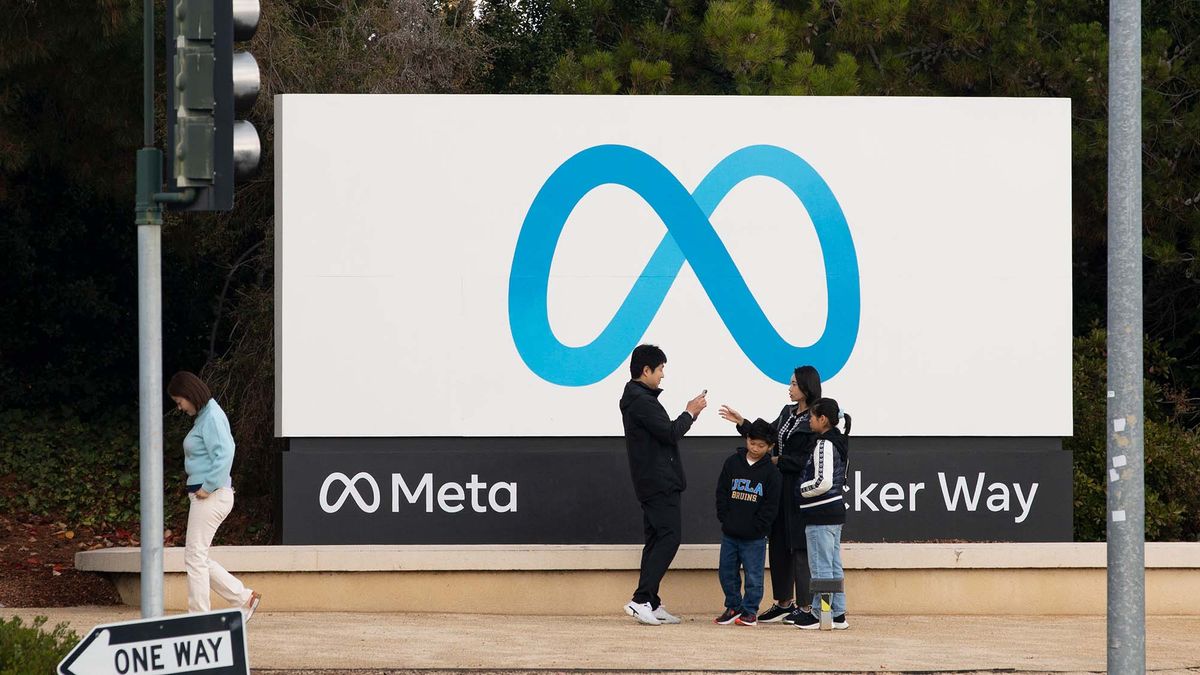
[
  {"x": 212, "y": 643},
  {"x": 578, "y": 490}
]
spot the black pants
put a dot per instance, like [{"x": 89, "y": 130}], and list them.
[
  {"x": 663, "y": 525},
  {"x": 789, "y": 567}
]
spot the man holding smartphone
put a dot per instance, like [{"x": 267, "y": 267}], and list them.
[{"x": 652, "y": 441}]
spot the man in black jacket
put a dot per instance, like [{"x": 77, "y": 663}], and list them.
[{"x": 652, "y": 441}]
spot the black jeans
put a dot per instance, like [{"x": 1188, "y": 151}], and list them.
[
  {"x": 663, "y": 524},
  {"x": 789, "y": 567}
]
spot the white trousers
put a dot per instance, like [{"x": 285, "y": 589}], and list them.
[{"x": 204, "y": 517}]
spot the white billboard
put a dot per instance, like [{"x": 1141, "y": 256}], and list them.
[{"x": 483, "y": 265}]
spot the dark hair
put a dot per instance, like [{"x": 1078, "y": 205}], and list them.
[
  {"x": 761, "y": 430},
  {"x": 829, "y": 408},
  {"x": 645, "y": 356},
  {"x": 186, "y": 385},
  {"x": 808, "y": 381}
]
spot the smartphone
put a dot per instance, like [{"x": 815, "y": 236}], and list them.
[{"x": 704, "y": 393}]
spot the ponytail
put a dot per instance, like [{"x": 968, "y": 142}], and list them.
[{"x": 828, "y": 407}]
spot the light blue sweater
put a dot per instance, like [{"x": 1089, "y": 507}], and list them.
[{"x": 208, "y": 449}]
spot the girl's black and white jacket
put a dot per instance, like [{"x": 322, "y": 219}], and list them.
[{"x": 818, "y": 492}]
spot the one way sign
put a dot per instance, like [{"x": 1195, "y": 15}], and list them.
[{"x": 213, "y": 643}]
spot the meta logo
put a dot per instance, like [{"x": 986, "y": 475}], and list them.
[
  {"x": 690, "y": 237},
  {"x": 501, "y": 497}
]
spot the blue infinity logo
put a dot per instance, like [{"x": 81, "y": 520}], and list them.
[{"x": 689, "y": 237}]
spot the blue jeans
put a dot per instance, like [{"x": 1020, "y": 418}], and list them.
[
  {"x": 747, "y": 554},
  {"x": 825, "y": 562}
]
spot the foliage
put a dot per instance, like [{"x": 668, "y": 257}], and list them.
[
  {"x": 28, "y": 649},
  {"x": 58, "y": 227},
  {"x": 1172, "y": 453},
  {"x": 731, "y": 47},
  {"x": 84, "y": 473},
  {"x": 68, "y": 348}
]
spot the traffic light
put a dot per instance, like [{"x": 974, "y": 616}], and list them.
[{"x": 207, "y": 85}]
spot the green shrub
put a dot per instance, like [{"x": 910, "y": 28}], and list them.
[
  {"x": 29, "y": 649},
  {"x": 55, "y": 464},
  {"x": 1172, "y": 451}
]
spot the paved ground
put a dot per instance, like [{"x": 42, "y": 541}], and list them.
[{"x": 366, "y": 644}]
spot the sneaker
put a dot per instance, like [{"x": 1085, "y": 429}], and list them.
[
  {"x": 795, "y": 613},
  {"x": 808, "y": 622},
  {"x": 776, "y": 613},
  {"x": 746, "y": 619},
  {"x": 642, "y": 612},
  {"x": 839, "y": 622},
  {"x": 727, "y": 617},
  {"x": 251, "y": 605},
  {"x": 664, "y": 616}
]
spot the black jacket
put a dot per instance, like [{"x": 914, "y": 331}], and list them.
[
  {"x": 793, "y": 443},
  {"x": 748, "y": 496},
  {"x": 818, "y": 492},
  {"x": 652, "y": 441}
]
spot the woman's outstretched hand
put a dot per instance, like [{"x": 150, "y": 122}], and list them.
[{"x": 731, "y": 415}]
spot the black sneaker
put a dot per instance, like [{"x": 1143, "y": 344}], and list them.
[
  {"x": 776, "y": 613},
  {"x": 746, "y": 619},
  {"x": 727, "y": 617},
  {"x": 839, "y": 622},
  {"x": 807, "y": 621},
  {"x": 795, "y": 613}
]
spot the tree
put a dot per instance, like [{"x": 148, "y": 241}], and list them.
[{"x": 70, "y": 125}]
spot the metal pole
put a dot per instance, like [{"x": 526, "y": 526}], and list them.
[
  {"x": 1125, "y": 422},
  {"x": 149, "y": 226}
]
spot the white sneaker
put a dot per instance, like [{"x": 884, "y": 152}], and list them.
[
  {"x": 251, "y": 605},
  {"x": 642, "y": 612},
  {"x": 664, "y": 616}
]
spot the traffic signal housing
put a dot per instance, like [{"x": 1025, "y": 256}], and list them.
[{"x": 208, "y": 84}]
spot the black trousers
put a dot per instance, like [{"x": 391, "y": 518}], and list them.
[
  {"x": 663, "y": 523},
  {"x": 789, "y": 567}
]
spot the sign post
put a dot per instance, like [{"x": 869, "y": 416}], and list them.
[{"x": 213, "y": 643}]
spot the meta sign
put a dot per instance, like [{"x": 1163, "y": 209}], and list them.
[{"x": 460, "y": 281}]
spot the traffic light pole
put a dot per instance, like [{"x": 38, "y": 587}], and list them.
[
  {"x": 1125, "y": 422},
  {"x": 149, "y": 237},
  {"x": 150, "y": 411},
  {"x": 207, "y": 82}
]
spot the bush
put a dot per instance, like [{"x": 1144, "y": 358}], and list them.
[
  {"x": 1172, "y": 451},
  {"x": 29, "y": 649},
  {"x": 54, "y": 464}
]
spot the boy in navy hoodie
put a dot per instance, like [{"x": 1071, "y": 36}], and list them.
[{"x": 747, "y": 503}]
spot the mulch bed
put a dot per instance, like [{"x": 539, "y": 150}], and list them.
[{"x": 37, "y": 564}]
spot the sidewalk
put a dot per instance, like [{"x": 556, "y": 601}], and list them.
[{"x": 345, "y": 642}]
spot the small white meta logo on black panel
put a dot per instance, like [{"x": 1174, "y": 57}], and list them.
[
  {"x": 449, "y": 497},
  {"x": 350, "y": 489}
]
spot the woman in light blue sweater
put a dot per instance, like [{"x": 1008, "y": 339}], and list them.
[{"x": 207, "y": 458}]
